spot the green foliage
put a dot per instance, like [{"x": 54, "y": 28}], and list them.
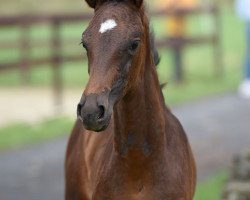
[
  {"x": 18, "y": 135},
  {"x": 212, "y": 188}
]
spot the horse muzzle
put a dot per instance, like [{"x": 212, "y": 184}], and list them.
[{"x": 94, "y": 111}]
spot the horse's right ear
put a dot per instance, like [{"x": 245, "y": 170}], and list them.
[
  {"x": 91, "y": 3},
  {"x": 138, "y": 3}
]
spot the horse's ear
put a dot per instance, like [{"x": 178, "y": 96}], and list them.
[
  {"x": 138, "y": 3},
  {"x": 91, "y": 3},
  {"x": 95, "y": 3}
]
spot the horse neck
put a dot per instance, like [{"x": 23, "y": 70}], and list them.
[{"x": 139, "y": 118}]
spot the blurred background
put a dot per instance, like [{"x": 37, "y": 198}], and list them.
[{"x": 43, "y": 71}]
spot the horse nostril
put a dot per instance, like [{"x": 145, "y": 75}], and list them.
[
  {"x": 101, "y": 112},
  {"x": 79, "y": 109}
]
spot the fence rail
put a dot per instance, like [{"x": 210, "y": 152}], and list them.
[{"x": 56, "y": 58}]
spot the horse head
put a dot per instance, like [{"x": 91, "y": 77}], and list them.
[{"x": 115, "y": 42}]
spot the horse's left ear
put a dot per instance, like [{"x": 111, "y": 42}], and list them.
[
  {"x": 91, "y": 3},
  {"x": 138, "y": 3}
]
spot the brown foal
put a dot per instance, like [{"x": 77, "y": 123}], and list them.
[{"x": 141, "y": 151}]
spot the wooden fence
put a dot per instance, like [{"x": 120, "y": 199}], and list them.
[{"x": 56, "y": 59}]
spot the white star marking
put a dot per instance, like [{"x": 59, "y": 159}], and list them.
[{"x": 107, "y": 25}]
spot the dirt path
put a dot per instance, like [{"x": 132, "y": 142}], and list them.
[
  {"x": 30, "y": 104},
  {"x": 217, "y": 129}
]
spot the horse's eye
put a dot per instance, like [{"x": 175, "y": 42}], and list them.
[
  {"x": 84, "y": 45},
  {"x": 134, "y": 45}
]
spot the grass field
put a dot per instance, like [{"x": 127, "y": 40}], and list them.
[{"x": 16, "y": 136}]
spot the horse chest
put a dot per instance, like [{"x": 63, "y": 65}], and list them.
[
  {"x": 119, "y": 187},
  {"x": 150, "y": 193}
]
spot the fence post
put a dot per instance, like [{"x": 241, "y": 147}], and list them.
[
  {"x": 25, "y": 51},
  {"x": 56, "y": 65}
]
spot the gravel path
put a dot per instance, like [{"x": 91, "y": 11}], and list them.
[
  {"x": 217, "y": 129},
  {"x": 31, "y": 104}
]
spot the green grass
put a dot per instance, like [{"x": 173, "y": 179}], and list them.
[
  {"x": 212, "y": 188},
  {"x": 18, "y": 135}
]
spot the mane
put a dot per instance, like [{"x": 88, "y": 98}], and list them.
[
  {"x": 146, "y": 21},
  {"x": 154, "y": 51},
  {"x": 155, "y": 54}
]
